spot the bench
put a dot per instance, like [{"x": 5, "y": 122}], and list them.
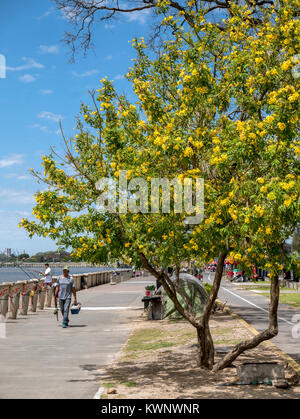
[{"x": 154, "y": 306}]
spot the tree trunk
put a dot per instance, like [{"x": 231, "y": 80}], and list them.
[
  {"x": 256, "y": 340},
  {"x": 205, "y": 341},
  {"x": 206, "y": 350}
]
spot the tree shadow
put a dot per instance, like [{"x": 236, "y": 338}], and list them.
[
  {"x": 176, "y": 375},
  {"x": 77, "y": 325}
]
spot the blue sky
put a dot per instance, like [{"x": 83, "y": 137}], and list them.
[{"x": 41, "y": 87}]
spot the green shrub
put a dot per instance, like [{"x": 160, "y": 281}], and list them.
[{"x": 208, "y": 287}]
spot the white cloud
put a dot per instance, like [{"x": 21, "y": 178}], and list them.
[
  {"x": 28, "y": 64},
  {"x": 86, "y": 74},
  {"x": 27, "y": 78},
  {"x": 17, "y": 177},
  {"x": 46, "y": 14},
  {"x": 46, "y": 92},
  {"x": 139, "y": 16},
  {"x": 109, "y": 57},
  {"x": 22, "y": 213},
  {"x": 45, "y": 129},
  {"x": 50, "y": 116},
  {"x": 109, "y": 26},
  {"x": 49, "y": 49},
  {"x": 11, "y": 160},
  {"x": 119, "y": 77},
  {"x": 16, "y": 197}
]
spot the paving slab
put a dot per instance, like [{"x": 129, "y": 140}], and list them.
[{"x": 41, "y": 360}]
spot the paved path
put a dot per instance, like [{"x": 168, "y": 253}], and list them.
[
  {"x": 253, "y": 308},
  {"x": 39, "y": 359}
]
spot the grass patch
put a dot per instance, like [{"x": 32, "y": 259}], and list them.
[
  {"x": 163, "y": 336},
  {"x": 155, "y": 338},
  {"x": 104, "y": 396},
  {"x": 222, "y": 331},
  {"x": 147, "y": 339},
  {"x": 143, "y": 336},
  {"x": 292, "y": 300},
  {"x": 129, "y": 384},
  {"x": 263, "y": 288},
  {"x": 108, "y": 385}
]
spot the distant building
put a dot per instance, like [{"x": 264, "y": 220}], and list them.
[{"x": 7, "y": 252}]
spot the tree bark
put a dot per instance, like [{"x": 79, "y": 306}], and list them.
[
  {"x": 206, "y": 350},
  {"x": 205, "y": 341},
  {"x": 256, "y": 340}
]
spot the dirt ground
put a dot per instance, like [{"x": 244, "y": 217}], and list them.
[{"x": 159, "y": 361}]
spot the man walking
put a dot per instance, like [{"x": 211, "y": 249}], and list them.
[{"x": 64, "y": 290}]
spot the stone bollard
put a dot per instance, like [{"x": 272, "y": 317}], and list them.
[
  {"x": 42, "y": 295},
  {"x": 49, "y": 295},
  {"x": 88, "y": 279},
  {"x": 101, "y": 278},
  {"x": 34, "y": 298},
  {"x": 14, "y": 298},
  {"x": 94, "y": 280},
  {"x": 83, "y": 284},
  {"x": 4, "y": 298},
  {"x": 108, "y": 276},
  {"x": 91, "y": 279},
  {"x": 28, "y": 287},
  {"x": 77, "y": 282}
]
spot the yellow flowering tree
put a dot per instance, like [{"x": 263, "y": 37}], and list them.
[{"x": 218, "y": 103}]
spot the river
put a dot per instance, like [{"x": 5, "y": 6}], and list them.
[{"x": 16, "y": 274}]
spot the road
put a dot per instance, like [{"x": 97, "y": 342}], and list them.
[
  {"x": 253, "y": 308},
  {"x": 39, "y": 359}
]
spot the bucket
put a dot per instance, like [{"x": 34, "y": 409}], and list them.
[{"x": 75, "y": 309}]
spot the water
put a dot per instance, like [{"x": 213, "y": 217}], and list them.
[{"x": 16, "y": 274}]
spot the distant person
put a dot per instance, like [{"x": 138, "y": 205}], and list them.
[
  {"x": 64, "y": 290},
  {"x": 231, "y": 275},
  {"x": 47, "y": 274}
]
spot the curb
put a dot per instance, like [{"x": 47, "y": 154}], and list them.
[
  {"x": 99, "y": 393},
  {"x": 294, "y": 364}
]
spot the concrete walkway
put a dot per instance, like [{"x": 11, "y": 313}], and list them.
[{"x": 40, "y": 360}]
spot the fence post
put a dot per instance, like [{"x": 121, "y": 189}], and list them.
[
  {"x": 42, "y": 295},
  {"x": 35, "y": 295},
  {"x": 28, "y": 287},
  {"x": 14, "y": 298},
  {"x": 4, "y": 297}
]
